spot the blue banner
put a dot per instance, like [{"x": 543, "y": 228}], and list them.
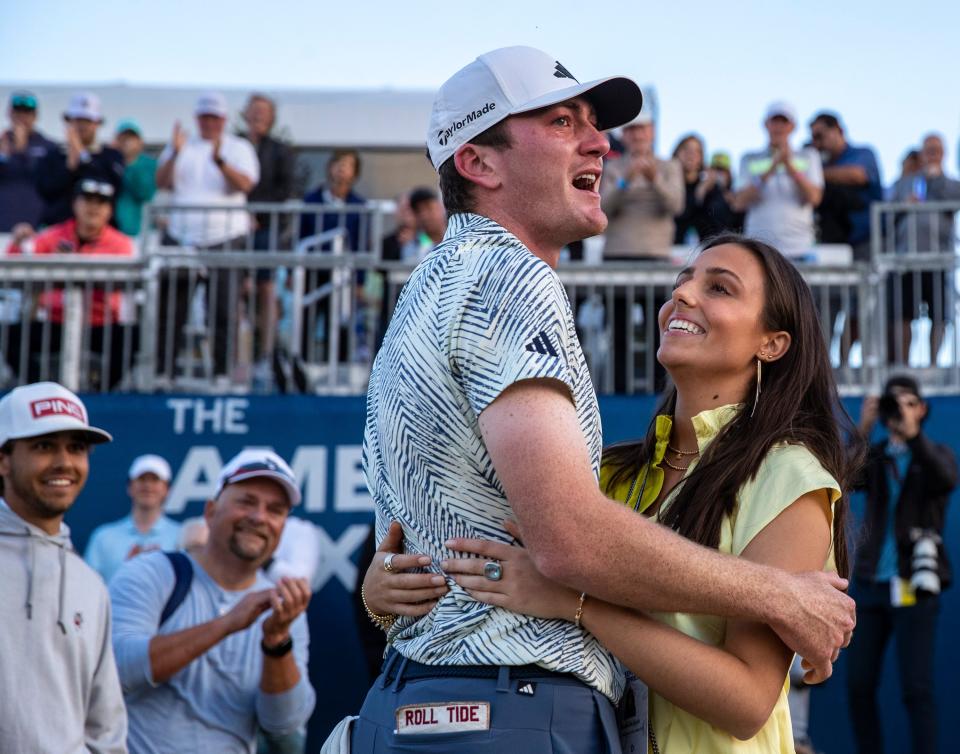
[{"x": 321, "y": 438}]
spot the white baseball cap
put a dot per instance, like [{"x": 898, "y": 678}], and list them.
[
  {"x": 149, "y": 464},
  {"x": 643, "y": 117},
  {"x": 211, "y": 103},
  {"x": 43, "y": 408},
  {"x": 253, "y": 463},
  {"x": 784, "y": 109},
  {"x": 512, "y": 80},
  {"x": 84, "y": 105}
]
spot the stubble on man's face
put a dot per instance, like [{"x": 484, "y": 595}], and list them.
[{"x": 43, "y": 476}]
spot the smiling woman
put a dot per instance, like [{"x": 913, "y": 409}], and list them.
[{"x": 744, "y": 457}]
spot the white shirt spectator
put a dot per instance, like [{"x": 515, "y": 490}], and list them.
[
  {"x": 781, "y": 216},
  {"x": 198, "y": 180}
]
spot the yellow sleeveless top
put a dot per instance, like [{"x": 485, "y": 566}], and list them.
[{"x": 787, "y": 473}]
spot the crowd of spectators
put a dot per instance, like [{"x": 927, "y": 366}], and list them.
[{"x": 794, "y": 195}]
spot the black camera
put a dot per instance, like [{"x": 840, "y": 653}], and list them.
[{"x": 889, "y": 408}]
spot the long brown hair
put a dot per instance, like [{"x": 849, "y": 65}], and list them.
[{"x": 799, "y": 405}]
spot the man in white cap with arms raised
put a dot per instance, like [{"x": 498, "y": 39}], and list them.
[
  {"x": 212, "y": 167},
  {"x": 208, "y": 649},
  {"x": 480, "y": 408},
  {"x": 145, "y": 528},
  {"x": 58, "y": 679}
]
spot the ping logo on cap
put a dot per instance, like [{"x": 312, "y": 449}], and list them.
[
  {"x": 56, "y": 407},
  {"x": 444, "y": 134}
]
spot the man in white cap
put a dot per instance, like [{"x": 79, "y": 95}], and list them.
[
  {"x": 208, "y": 649},
  {"x": 82, "y": 157},
  {"x": 145, "y": 528},
  {"x": 779, "y": 188},
  {"x": 58, "y": 678},
  {"x": 641, "y": 195},
  {"x": 480, "y": 408},
  {"x": 213, "y": 167}
]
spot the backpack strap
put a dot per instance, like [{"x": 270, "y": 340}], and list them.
[{"x": 183, "y": 577}]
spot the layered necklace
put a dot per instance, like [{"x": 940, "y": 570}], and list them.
[{"x": 680, "y": 455}]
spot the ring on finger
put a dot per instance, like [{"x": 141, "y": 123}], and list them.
[
  {"x": 388, "y": 563},
  {"x": 492, "y": 570}
]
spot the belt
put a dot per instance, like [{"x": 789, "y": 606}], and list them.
[{"x": 410, "y": 670}]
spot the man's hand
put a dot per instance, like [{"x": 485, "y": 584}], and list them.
[
  {"x": 247, "y": 610},
  {"x": 179, "y": 138},
  {"x": 74, "y": 146},
  {"x": 216, "y": 150},
  {"x": 21, "y": 137},
  {"x": 288, "y": 600},
  {"x": 22, "y": 231},
  {"x": 816, "y": 619},
  {"x": 869, "y": 411},
  {"x": 645, "y": 165}
]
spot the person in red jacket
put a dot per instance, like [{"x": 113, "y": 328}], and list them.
[{"x": 88, "y": 232}]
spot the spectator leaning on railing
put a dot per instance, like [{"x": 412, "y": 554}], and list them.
[
  {"x": 82, "y": 157},
  {"x": 22, "y": 148}
]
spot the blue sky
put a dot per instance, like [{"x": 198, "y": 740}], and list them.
[{"x": 890, "y": 69}]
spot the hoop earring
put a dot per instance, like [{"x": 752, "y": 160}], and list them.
[{"x": 756, "y": 395}]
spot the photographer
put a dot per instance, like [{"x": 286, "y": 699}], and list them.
[{"x": 901, "y": 565}]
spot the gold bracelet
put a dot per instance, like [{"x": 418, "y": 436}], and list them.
[
  {"x": 579, "y": 613},
  {"x": 383, "y": 622}
]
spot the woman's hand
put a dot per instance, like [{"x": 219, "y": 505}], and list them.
[
  {"x": 522, "y": 588},
  {"x": 395, "y": 592}
]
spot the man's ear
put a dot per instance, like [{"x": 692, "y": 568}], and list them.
[
  {"x": 478, "y": 165},
  {"x": 209, "y": 509},
  {"x": 775, "y": 346}
]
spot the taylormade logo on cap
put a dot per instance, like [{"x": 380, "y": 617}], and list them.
[
  {"x": 444, "y": 135},
  {"x": 513, "y": 80}
]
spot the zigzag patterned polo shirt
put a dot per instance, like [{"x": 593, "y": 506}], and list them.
[{"x": 478, "y": 314}]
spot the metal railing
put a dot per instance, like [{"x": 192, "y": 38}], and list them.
[
  {"x": 185, "y": 318},
  {"x": 913, "y": 258}
]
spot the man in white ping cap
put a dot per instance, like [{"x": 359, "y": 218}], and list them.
[
  {"x": 779, "y": 188},
  {"x": 208, "y": 649},
  {"x": 58, "y": 679},
  {"x": 145, "y": 528},
  {"x": 480, "y": 408},
  {"x": 81, "y": 157},
  {"x": 213, "y": 167}
]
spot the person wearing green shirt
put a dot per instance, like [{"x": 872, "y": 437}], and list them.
[{"x": 139, "y": 184}]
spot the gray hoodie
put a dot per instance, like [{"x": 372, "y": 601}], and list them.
[{"x": 59, "y": 690}]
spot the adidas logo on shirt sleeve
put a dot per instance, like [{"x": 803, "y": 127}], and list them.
[{"x": 542, "y": 345}]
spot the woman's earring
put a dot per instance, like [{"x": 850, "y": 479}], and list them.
[{"x": 756, "y": 396}]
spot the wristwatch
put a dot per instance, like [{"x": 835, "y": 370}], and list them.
[
  {"x": 219, "y": 161},
  {"x": 278, "y": 650}
]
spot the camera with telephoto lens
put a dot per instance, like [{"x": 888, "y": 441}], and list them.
[
  {"x": 888, "y": 409},
  {"x": 924, "y": 571}
]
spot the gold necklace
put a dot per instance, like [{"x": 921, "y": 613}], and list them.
[
  {"x": 675, "y": 468},
  {"x": 683, "y": 452}
]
